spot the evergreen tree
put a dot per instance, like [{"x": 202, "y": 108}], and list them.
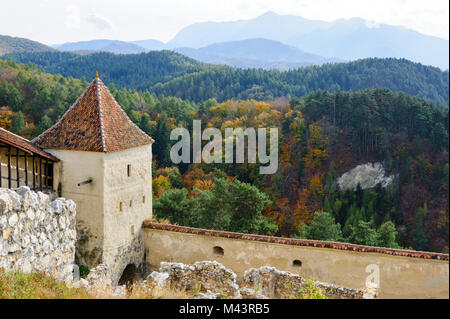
[
  {"x": 387, "y": 235},
  {"x": 364, "y": 234},
  {"x": 420, "y": 240},
  {"x": 44, "y": 124},
  {"x": 174, "y": 205},
  {"x": 18, "y": 123},
  {"x": 161, "y": 147},
  {"x": 144, "y": 123},
  {"x": 323, "y": 227},
  {"x": 439, "y": 137}
]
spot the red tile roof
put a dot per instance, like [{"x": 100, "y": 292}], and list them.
[
  {"x": 95, "y": 123},
  {"x": 297, "y": 242},
  {"x": 23, "y": 144}
]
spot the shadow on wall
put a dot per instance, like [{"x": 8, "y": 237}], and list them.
[{"x": 129, "y": 275}]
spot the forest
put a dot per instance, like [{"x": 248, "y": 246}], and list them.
[
  {"x": 322, "y": 134},
  {"x": 167, "y": 73}
]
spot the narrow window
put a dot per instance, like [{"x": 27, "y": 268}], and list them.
[
  {"x": 131, "y": 203},
  {"x": 218, "y": 251},
  {"x": 132, "y": 230},
  {"x": 143, "y": 199},
  {"x": 121, "y": 208},
  {"x": 129, "y": 170},
  {"x": 297, "y": 263}
]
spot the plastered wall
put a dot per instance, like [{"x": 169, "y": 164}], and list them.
[
  {"x": 76, "y": 167},
  {"x": 399, "y": 276},
  {"x": 128, "y": 202}
]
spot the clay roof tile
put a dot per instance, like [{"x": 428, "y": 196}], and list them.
[{"x": 94, "y": 123}]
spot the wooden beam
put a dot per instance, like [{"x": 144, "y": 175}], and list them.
[
  {"x": 1, "y": 178},
  {"x": 12, "y": 179},
  {"x": 9, "y": 167},
  {"x": 26, "y": 170},
  {"x": 40, "y": 173},
  {"x": 17, "y": 168},
  {"x": 14, "y": 155},
  {"x": 34, "y": 173},
  {"x": 46, "y": 174}
]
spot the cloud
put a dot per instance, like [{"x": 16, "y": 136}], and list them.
[
  {"x": 99, "y": 22},
  {"x": 73, "y": 20}
]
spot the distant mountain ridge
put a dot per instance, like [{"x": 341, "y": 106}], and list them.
[
  {"x": 346, "y": 39},
  {"x": 113, "y": 46},
  {"x": 338, "y": 41},
  {"x": 13, "y": 44},
  {"x": 255, "y": 53},
  {"x": 249, "y": 53}
]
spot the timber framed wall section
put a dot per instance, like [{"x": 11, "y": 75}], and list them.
[{"x": 20, "y": 168}]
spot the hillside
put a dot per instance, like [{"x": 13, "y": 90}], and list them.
[
  {"x": 11, "y": 44},
  {"x": 139, "y": 71},
  {"x": 254, "y": 53},
  {"x": 113, "y": 46},
  {"x": 172, "y": 74},
  {"x": 397, "y": 75},
  {"x": 322, "y": 136},
  {"x": 346, "y": 39},
  {"x": 150, "y": 44}
]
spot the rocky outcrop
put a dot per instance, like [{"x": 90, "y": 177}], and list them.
[
  {"x": 367, "y": 175},
  {"x": 204, "y": 276},
  {"x": 98, "y": 284},
  {"x": 37, "y": 235},
  {"x": 212, "y": 280},
  {"x": 273, "y": 283}
]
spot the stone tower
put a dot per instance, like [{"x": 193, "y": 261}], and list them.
[{"x": 106, "y": 168}]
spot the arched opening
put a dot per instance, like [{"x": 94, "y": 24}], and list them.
[
  {"x": 129, "y": 275},
  {"x": 218, "y": 251},
  {"x": 297, "y": 263}
]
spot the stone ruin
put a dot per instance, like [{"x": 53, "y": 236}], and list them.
[
  {"x": 39, "y": 235},
  {"x": 214, "y": 281}
]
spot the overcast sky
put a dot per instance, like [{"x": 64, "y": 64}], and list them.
[{"x": 58, "y": 21}]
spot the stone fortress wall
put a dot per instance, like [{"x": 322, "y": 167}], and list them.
[
  {"x": 37, "y": 234},
  {"x": 401, "y": 273}
]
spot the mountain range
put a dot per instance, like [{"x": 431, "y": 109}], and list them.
[
  {"x": 318, "y": 41},
  {"x": 346, "y": 39},
  {"x": 248, "y": 53},
  {"x": 255, "y": 53}
]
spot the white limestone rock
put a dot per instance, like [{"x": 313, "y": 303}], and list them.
[
  {"x": 367, "y": 175},
  {"x": 35, "y": 238}
]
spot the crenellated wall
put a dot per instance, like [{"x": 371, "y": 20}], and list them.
[
  {"x": 37, "y": 234},
  {"x": 401, "y": 273}
]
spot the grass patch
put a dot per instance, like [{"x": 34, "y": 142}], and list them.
[{"x": 17, "y": 285}]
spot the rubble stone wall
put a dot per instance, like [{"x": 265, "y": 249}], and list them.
[
  {"x": 213, "y": 280},
  {"x": 37, "y": 234}
]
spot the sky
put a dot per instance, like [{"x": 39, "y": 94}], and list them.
[{"x": 59, "y": 21}]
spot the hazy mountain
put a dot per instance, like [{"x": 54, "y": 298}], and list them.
[
  {"x": 254, "y": 53},
  {"x": 113, "y": 46},
  {"x": 11, "y": 44},
  {"x": 150, "y": 44},
  {"x": 346, "y": 39},
  {"x": 356, "y": 38},
  {"x": 269, "y": 26}
]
